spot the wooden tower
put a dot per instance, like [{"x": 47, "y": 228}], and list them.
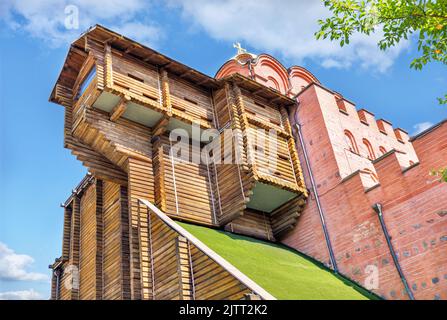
[{"x": 122, "y": 103}]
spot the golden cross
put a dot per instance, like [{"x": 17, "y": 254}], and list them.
[{"x": 239, "y": 48}]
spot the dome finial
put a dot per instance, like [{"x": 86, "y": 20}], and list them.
[
  {"x": 239, "y": 48},
  {"x": 242, "y": 54}
]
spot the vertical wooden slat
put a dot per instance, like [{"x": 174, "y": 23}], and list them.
[
  {"x": 108, "y": 71},
  {"x": 166, "y": 96},
  {"x": 298, "y": 172},
  {"x": 184, "y": 269},
  {"x": 99, "y": 240},
  {"x": 159, "y": 173},
  {"x": 66, "y": 241},
  {"x": 141, "y": 185},
  {"x": 75, "y": 243},
  {"x": 88, "y": 245},
  {"x": 112, "y": 241},
  {"x": 125, "y": 245}
]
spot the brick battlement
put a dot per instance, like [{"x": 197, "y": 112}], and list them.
[
  {"x": 414, "y": 203},
  {"x": 356, "y": 137},
  {"x": 364, "y": 116}
]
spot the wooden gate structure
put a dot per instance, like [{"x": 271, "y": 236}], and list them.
[{"x": 123, "y": 101}]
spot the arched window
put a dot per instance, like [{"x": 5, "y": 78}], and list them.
[
  {"x": 351, "y": 142},
  {"x": 272, "y": 83},
  {"x": 382, "y": 150},
  {"x": 371, "y": 155},
  {"x": 372, "y": 175}
]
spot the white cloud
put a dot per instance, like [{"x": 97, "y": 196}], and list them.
[
  {"x": 287, "y": 28},
  {"x": 146, "y": 34},
  {"x": 46, "y": 19},
  {"x": 13, "y": 266},
  {"x": 21, "y": 295},
  {"x": 419, "y": 127}
]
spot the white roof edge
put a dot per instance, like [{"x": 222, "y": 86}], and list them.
[{"x": 210, "y": 253}]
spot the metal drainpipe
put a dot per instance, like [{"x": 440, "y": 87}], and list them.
[
  {"x": 317, "y": 200},
  {"x": 250, "y": 70},
  {"x": 378, "y": 209}
]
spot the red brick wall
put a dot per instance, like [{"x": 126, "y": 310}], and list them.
[{"x": 414, "y": 203}]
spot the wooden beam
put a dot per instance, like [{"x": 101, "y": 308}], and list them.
[
  {"x": 130, "y": 48},
  {"x": 161, "y": 126},
  {"x": 165, "y": 65},
  {"x": 108, "y": 40},
  {"x": 203, "y": 82},
  {"x": 119, "y": 109},
  {"x": 82, "y": 53},
  {"x": 184, "y": 74},
  {"x": 275, "y": 99},
  {"x": 149, "y": 57},
  {"x": 258, "y": 91}
]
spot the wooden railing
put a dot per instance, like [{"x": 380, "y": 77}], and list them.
[{"x": 182, "y": 267}]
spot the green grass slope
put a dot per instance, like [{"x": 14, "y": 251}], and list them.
[{"x": 281, "y": 271}]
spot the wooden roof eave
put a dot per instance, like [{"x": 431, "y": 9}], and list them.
[
  {"x": 85, "y": 182},
  {"x": 148, "y": 55},
  {"x": 138, "y": 51},
  {"x": 58, "y": 262}
]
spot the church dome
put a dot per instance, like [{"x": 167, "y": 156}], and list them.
[{"x": 268, "y": 71}]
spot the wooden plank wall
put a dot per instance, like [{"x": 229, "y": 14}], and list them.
[
  {"x": 275, "y": 163},
  {"x": 293, "y": 153},
  {"x": 133, "y": 77},
  {"x": 99, "y": 243},
  {"x": 68, "y": 286},
  {"x": 166, "y": 278},
  {"x": 125, "y": 245},
  {"x": 261, "y": 111},
  {"x": 141, "y": 185},
  {"x": 159, "y": 173},
  {"x": 221, "y": 108},
  {"x": 285, "y": 217},
  {"x": 54, "y": 287},
  {"x": 188, "y": 188},
  {"x": 99, "y": 239},
  {"x": 96, "y": 162},
  {"x": 97, "y": 50},
  {"x": 89, "y": 246},
  {"x": 253, "y": 223},
  {"x": 184, "y": 270},
  {"x": 179, "y": 270},
  {"x": 232, "y": 201},
  {"x": 212, "y": 281},
  {"x": 66, "y": 238},
  {"x": 113, "y": 240},
  {"x": 233, "y": 180},
  {"x": 116, "y": 140},
  {"x": 190, "y": 100},
  {"x": 73, "y": 293}
]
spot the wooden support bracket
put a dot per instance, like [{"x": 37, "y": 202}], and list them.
[
  {"x": 119, "y": 109},
  {"x": 161, "y": 126}
]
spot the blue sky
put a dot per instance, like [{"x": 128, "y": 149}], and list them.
[{"x": 37, "y": 173}]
